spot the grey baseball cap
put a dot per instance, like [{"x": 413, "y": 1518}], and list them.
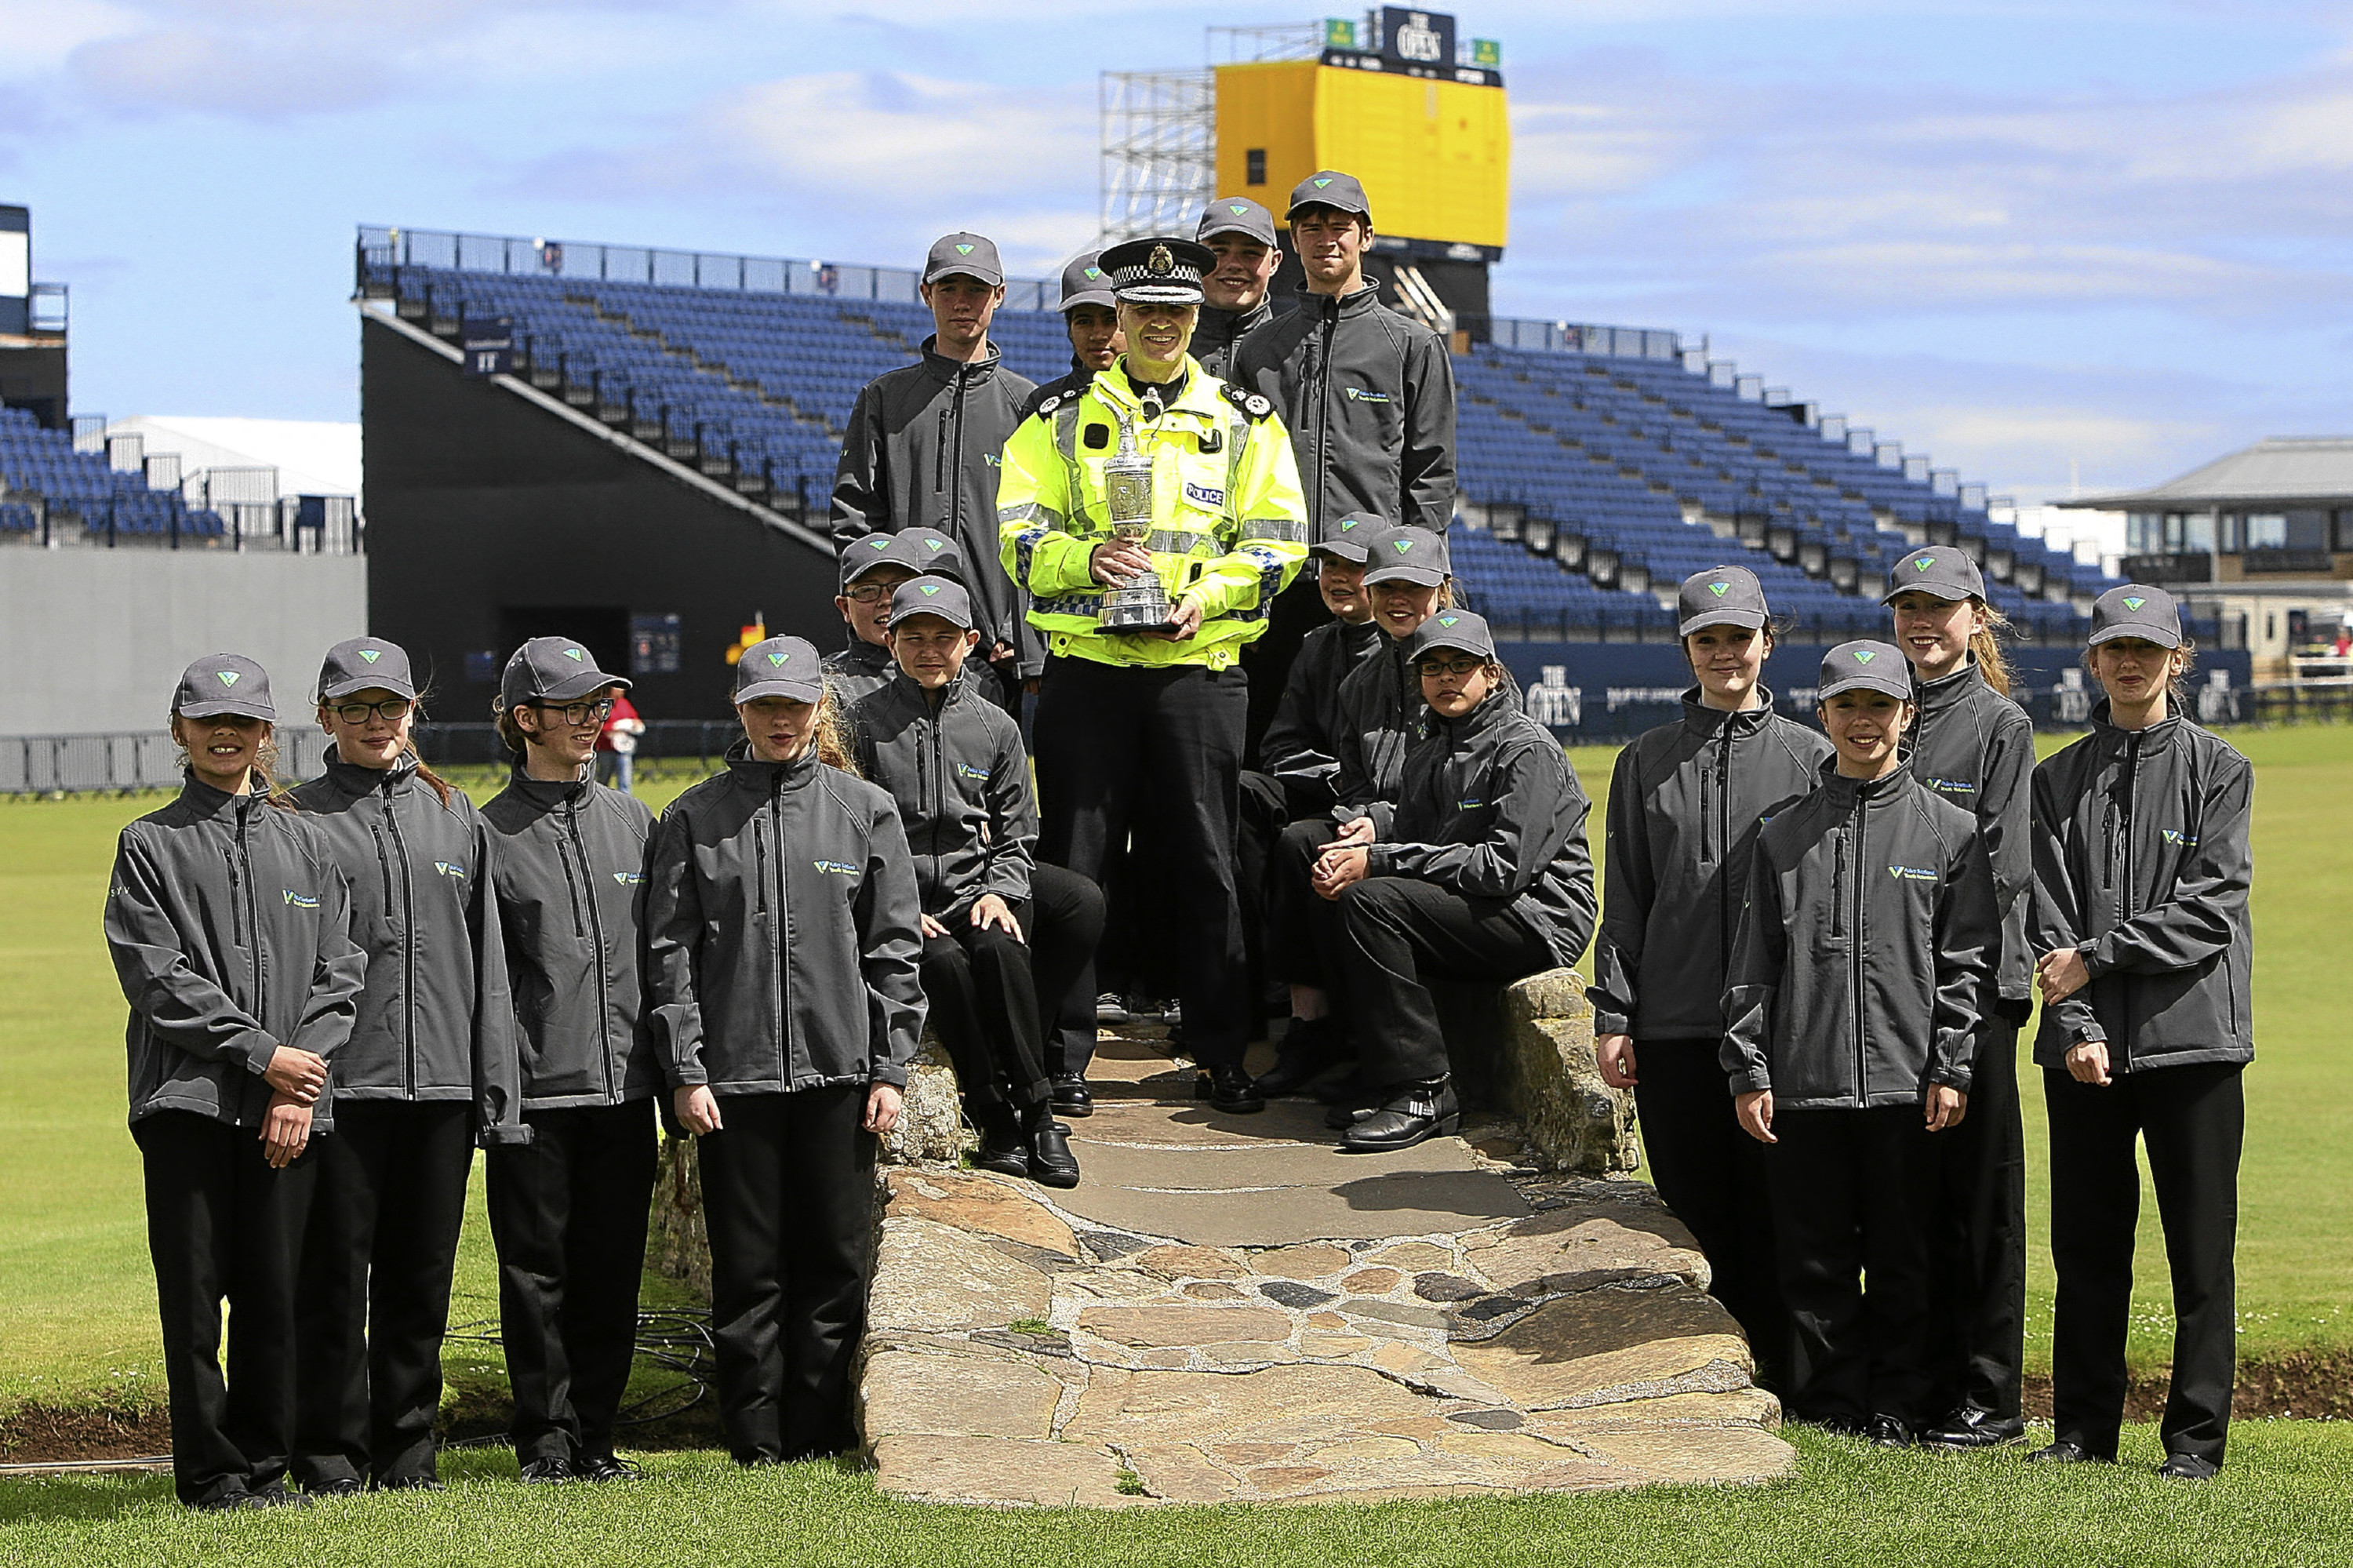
[
  {"x": 1084, "y": 283},
  {"x": 1236, "y": 215},
  {"x": 1454, "y": 629},
  {"x": 964, "y": 255},
  {"x": 2136, "y": 610},
  {"x": 780, "y": 667},
  {"x": 1328, "y": 188},
  {"x": 360, "y": 663},
  {"x": 1939, "y": 569},
  {"x": 923, "y": 551},
  {"x": 1354, "y": 538},
  {"x": 223, "y": 684},
  {"x": 552, "y": 669},
  {"x": 1408, "y": 555},
  {"x": 1865, "y": 665},
  {"x": 933, "y": 595},
  {"x": 1721, "y": 596}
]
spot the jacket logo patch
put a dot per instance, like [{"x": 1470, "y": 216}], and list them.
[
  {"x": 966, "y": 770},
  {"x": 836, "y": 867},
  {"x": 1911, "y": 874},
  {"x": 629, "y": 878},
  {"x": 300, "y": 900},
  {"x": 2175, "y": 836},
  {"x": 1951, "y": 786},
  {"x": 1469, "y": 803},
  {"x": 451, "y": 868},
  {"x": 1203, "y": 496},
  {"x": 1358, "y": 395}
]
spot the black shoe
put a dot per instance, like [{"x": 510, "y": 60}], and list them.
[
  {"x": 604, "y": 1468},
  {"x": 275, "y": 1495},
  {"x": 1003, "y": 1150},
  {"x": 341, "y": 1487},
  {"x": 1412, "y": 1113},
  {"x": 1348, "y": 1113},
  {"x": 2065, "y": 1453},
  {"x": 1070, "y": 1095},
  {"x": 1051, "y": 1164},
  {"x": 410, "y": 1484},
  {"x": 2187, "y": 1467},
  {"x": 1970, "y": 1427},
  {"x": 1228, "y": 1089},
  {"x": 547, "y": 1471},
  {"x": 1111, "y": 1007},
  {"x": 1309, "y": 1049},
  {"x": 226, "y": 1502},
  {"x": 1890, "y": 1432}
]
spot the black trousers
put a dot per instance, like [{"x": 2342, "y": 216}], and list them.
[
  {"x": 1298, "y": 610},
  {"x": 1977, "y": 1255},
  {"x": 788, "y": 1199},
  {"x": 1159, "y": 751},
  {"x": 1258, "y": 834},
  {"x": 1065, "y": 932},
  {"x": 2193, "y": 1121},
  {"x": 984, "y": 1002},
  {"x": 222, "y": 1225},
  {"x": 374, "y": 1297},
  {"x": 1398, "y": 930},
  {"x": 1852, "y": 1191},
  {"x": 1713, "y": 1175},
  {"x": 569, "y": 1213},
  {"x": 1303, "y": 935}
]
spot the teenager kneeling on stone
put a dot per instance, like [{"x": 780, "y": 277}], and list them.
[
  {"x": 1685, "y": 803},
  {"x": 1851, "y": 1017},
  {"x": 227, "y": 922},
  {"x": 2141, "y": 875},
  {"x": 782, "y": 941},
  {"x": 1008, "y": 943},
  {"x": 1478, "y": 872},
  {"x": 569, "y": 1209}
]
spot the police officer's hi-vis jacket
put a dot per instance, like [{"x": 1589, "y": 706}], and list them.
[{"x": 1228, "y": 526}]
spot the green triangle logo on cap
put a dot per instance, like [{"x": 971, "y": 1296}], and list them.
[
  {"x": 1402, "y": 546},
  {"x": 227, "y": 677},
  {"x": 1864, "y": 655},
  {"x": 573, "y": 654},
  {"x": 1320, "y": 181},
  {"x": 778, "y": 657},
  {"x": 964, "y": 249},
  {"x": 878, "y": 543},
  {"x": 929, "y": 588},
  {"x": 1718, "y": 589},
  {"x": 1237, "y": 208},
  {"x": 1923, "y": 563},
  {"x": 933, "y": 543},
  {"x": 1448, "y": 619},
  {"x": 371, "y": 655},
  {"x": 2135, "y": 603},
  {"x": 1348, "y": 525},
  {"x": 1094, "y": 271}
]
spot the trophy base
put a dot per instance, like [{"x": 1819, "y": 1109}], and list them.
[{"x": 1128, "y": 620}]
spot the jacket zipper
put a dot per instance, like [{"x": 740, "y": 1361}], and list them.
[
  {"x": 596, "y": 934},
  {"x": 2126, "y": 885},
  {"x": 1324, "y": 416},
  {"x": 1723, "y": 848},
  {"x": 1856, "y": 943},
  {"x": 408, "y": 937},
  {"x": 242, "y": 872},
  {"x": 955, "y": 467},
  {"x": 784, "y": 947}
]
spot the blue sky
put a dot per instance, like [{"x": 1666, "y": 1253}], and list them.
[{"x": 2037, "y": 241}]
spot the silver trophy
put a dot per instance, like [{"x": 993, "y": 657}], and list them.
[{"x": 1138, "y": 603}]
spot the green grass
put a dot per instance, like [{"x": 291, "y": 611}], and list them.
[
  {"x": 2286, "y": 1498},
  {"x": 76, "y": 1300}
]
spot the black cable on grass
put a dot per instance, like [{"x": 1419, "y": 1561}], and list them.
[{"x": 675, "y": 1339}]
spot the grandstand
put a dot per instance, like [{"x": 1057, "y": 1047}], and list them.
[
  {"x": 52, "y": 492},
  {"x": 1599, "y": 465}
]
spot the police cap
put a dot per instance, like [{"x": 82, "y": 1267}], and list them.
[{"x": 1158, "y": 269}]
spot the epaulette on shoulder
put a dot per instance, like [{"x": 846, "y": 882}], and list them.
[
  {"x": 1070, "y": 394},
  {"x": 1250, "y": 403}
]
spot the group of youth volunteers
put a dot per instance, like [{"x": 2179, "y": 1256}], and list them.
[{"x": 1298, "y": 782}]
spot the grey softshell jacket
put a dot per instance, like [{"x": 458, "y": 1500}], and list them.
[
  {"x": 435, "y": 1022},
  {"x": 1685, "y": 803},
  {"x": 961, "y": 780},
  {"x": 924, "y": 450},
  {"x": 782, "y": 932},
  {"x": 2142, "y": 863},
  {"x": 1377, "y": 716},
  {"x": 1297, "y": 751},
  {"x": 228, "y": 922},
  {"x": 570, "y": 876},
  {"x": 1217, "y": 332},
  {"x": 863, "y": 669},
  {"x": 1975, "y": 748},
  {"x": 1490, "y": 808},
  {"x": 1369, "y": 398},
  {"x": 1864, "y": 950}
]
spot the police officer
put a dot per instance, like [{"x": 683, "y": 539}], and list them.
[
  {"x": 1685, "y": 803},
  {"x": 2141, "y": 875},
  {"x": 228, "y": 920},
  {"x": 873, "y": 568},
  {"x": 431, "y": 1070},
  {"x": 569, "y": 1209},
  {"x": 1091, "y": 318},
  {"x": 1369, "y": 394},
  {"x": 1234, "y": 292},
  {"x": 1975, "y": 747},
  {"x": 1145, "y": 728},
  {"x": 924, "y": 439}
]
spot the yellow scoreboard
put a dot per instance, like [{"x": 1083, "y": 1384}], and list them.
[{"x": 1433, "y": 148}]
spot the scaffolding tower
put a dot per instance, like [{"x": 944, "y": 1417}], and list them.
[{"x": 1160, "y": 131}]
